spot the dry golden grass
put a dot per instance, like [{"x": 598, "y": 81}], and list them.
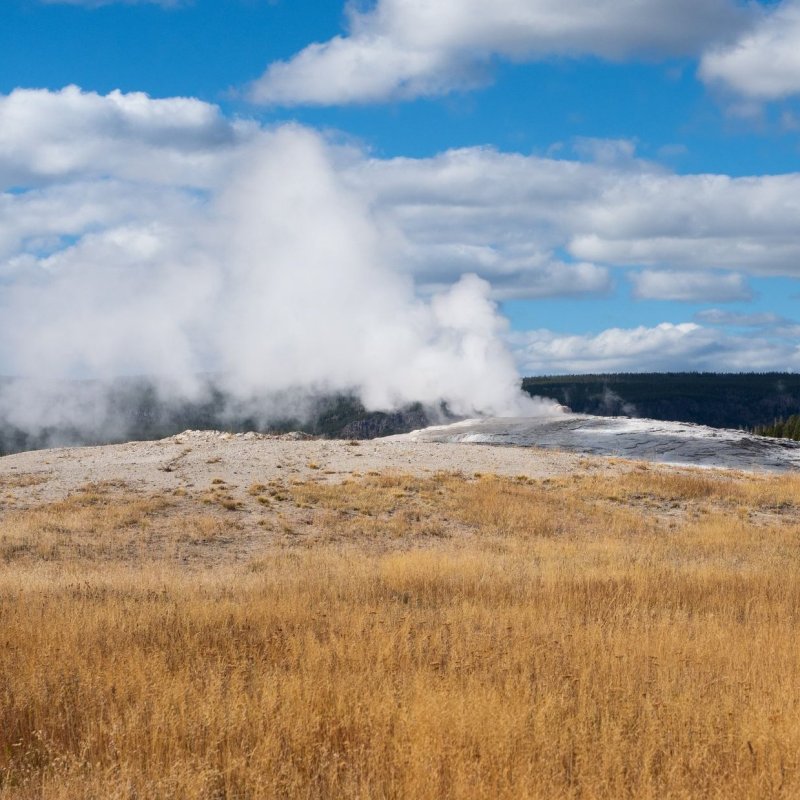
[
  {"x": 23, "y": 479},
  {"x": 107, "y": 523},
  {"x": 625, "y": 636}
]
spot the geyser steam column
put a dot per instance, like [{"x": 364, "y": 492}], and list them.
[
  {"x": 312, "y": 297},
  {"x": 274, "y": 278}
]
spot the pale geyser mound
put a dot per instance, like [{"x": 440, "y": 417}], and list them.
[
  {"x": 680, "y": 443},
  {"x": 279, "y": 280}
]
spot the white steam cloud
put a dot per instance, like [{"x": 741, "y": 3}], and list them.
[{"x": 275, "y": 281}]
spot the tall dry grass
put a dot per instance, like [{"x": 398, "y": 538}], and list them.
[{"x": 397, "y": 637}]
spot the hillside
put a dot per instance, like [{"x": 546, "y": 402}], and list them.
[
  {"x": 785, "y": 428},
  {"x": 89, "y": 413},
  {"x": 736, "y": 400}
]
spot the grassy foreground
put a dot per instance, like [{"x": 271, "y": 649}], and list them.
[{"x": 628, "y": 635}]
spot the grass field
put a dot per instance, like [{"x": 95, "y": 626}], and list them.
[{"x": 604, "y": 636}]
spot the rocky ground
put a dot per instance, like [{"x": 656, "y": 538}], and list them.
[{"x": 192, "y": 460}]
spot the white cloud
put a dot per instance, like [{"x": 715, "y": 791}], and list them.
[
  {"x": 410, "y": 48},
  {"x": 770, "y": 324},
  {"x": 664, "y": 347},
  {"x": 533, "y": 227},
  {"x": 716, "y": 316},
  {"x": 764, "y": 62},
  {"x": 551, "y": 279},
  {"x": 56, "y": 135},
  {"x": 689, "y": 286},
  {"x": 508, "y": 214},
  {"x": 42, "y": 220}
]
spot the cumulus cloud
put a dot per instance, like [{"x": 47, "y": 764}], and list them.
[
  {"x": 664, "y": 347},
  {"x": 690, "y": 286},
  {"x": 764, "y": 62},
  {"x": 74, "y": 163},
  {"x": 411, "y": 48},
  {"x": 509, "y": 214},
  {"x": 48, "y": 135}
]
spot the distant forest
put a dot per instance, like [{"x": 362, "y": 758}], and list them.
[
  {"x": 131, "y": 409},
  {"x": 760, "y": 401},
  {"x": 784, "y": 428}
]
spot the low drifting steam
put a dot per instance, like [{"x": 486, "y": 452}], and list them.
[{"x": 277, "y": 281}]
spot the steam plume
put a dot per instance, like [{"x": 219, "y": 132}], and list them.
[{"x": 274, "y": 282}]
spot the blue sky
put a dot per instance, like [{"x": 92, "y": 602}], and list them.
[
  {"x": 209, "y": 49},
  {"x": 622, "y": 173}
]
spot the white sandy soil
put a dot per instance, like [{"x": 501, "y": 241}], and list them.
[{"x": 193, "y": 459}]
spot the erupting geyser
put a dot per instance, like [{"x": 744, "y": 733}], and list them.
[{"x": 275, "y": 279}]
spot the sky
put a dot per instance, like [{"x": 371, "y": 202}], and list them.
[{"x": 191, "y": 185}]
